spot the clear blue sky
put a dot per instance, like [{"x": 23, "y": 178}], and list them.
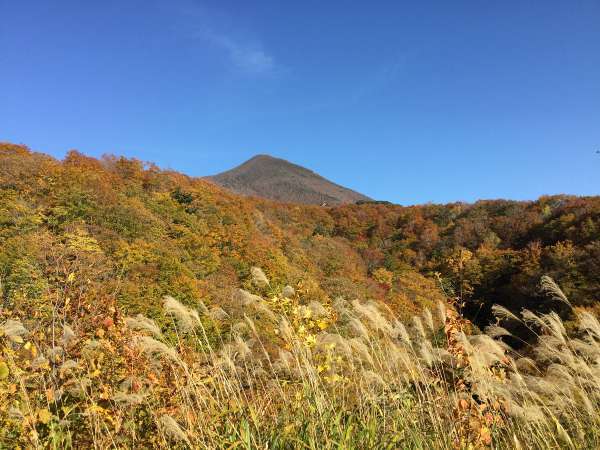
[{"x": 405, "y": 101}]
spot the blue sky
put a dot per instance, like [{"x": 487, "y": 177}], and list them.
[{"x": 405, "y": 101}]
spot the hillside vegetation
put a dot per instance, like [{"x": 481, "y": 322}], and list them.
[{"x": 144, "y": 308}]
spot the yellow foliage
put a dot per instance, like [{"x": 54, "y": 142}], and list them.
[{"x": 383, "y": 276}]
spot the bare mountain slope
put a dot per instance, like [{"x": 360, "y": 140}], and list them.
[{"x": 277, "y": 179}]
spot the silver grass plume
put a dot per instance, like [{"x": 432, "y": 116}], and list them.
[
  {"x": 418, "y": 325},
  {"x": 358, "y": 328},
  {"x": 588, "y": 350},
  {"x": 531, "y": 317},
  {"x": 361, "y": 351},
  {"x": 496, "y": 331},
  {"x": 250, "y": 324},
  {"x": 143, "y": 323},
  {"x": 317, "y": 309},
  {"x": 584, "y": 398},
  {"x": 370, "y": 311},
  {"x": 401, "y": 332},
  {"x": 286, "y": 330},
  {"x": 443, "y": 356},
  {"x": 68, "y": 365},
  {"x": 187, "y": 318},
  {"x": 172, "y": 429},
  {"x": 245, "y": 298},
  {"x": 526, "y": 365},
  {"x": 333, "y": 342},
  {"x": 241, "y": 348},
  {"x": 288, "y": 292},
  {"x": 549, "y": 288},
  {"x": 239, "y": 328},
  {"x": 127, "y": 400},
  {"x": 556, "y": 326},
  {"x": 426, "y": 352},
  {"x": 589, "y": 323},
  {"x": 225, "y": 361},
  {"x": 55, "y": 353},
  {"x": 68, "y": 337},
  {"x": 202, "y": 308},
  {"x": 559, "y": 373},
  {"x": 259, "y": 373},
  {"x": 284, "y": 363},
  {"x": 263, "y": 308},
  {"x": 13, "y": 330},
  {"x": 428, "y": 319},
  {"x": 372, "y": 379},
  {"x": 500, "y": 312},
  {"x": 217, "y": 313},
  {"x": 39, "y": 362},
  {"x": 157, "y": 349},
  {"x": 258, "y": 277},
  {"x": 441, "y": 307},
  {"x": 529, "y": 413},
  {"x": 340, "y": 306},
  {"x": 488, "y": 350},
  {"x": 562, "y": 434}
]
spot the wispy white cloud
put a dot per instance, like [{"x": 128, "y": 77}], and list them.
[
  {"x": 249, "y": 58},
  {"x": 243, "y": 49}
]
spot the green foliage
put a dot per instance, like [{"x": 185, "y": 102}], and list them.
[
  {"x": 181, "y": 197},
  {"x": 22, "y": 280}
]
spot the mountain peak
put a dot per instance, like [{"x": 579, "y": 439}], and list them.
[
  {"x": 262, "y": 156},
  {"x": 277, "y": 179}
]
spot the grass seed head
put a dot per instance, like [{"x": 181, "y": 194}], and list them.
[{"x": 187, "y": 318}]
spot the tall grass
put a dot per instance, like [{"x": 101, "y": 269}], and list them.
[{"x": 279, "y": 372}]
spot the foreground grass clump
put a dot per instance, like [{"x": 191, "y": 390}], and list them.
[{"x": 280, "y": 371}]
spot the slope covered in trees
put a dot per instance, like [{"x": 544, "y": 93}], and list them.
[
  {"x": 119, "y": 230},
  {"x": 490, "y": 252}
]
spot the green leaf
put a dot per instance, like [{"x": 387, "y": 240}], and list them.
[{"x": 3, "y": 371}]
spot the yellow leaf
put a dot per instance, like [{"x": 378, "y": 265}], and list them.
[
  {"x": 44, "y": 416},
  {"x": 3, "y": 370}
]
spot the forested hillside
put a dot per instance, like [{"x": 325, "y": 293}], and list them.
[
  {"x": 490, "y": 252},
  {"x": 118, "y": 230},
  {"x": 93, "y": 251},
  {"x": 126, "y": 231}
]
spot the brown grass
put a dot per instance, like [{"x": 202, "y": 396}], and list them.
[{"x": 280, "y": 373}]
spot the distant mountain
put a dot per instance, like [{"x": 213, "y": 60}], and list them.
[{"x": 278, "y": 179}]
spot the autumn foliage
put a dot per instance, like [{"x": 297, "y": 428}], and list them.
[{"x": 133, "y": 312}]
